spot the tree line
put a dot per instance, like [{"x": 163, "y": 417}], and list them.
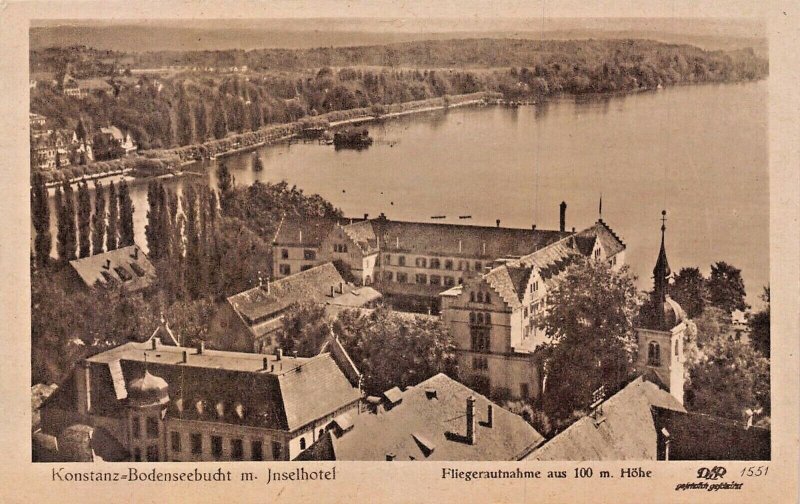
[
  {"x": 194, "y": 106},
  {"x": 80, "y": 231}
]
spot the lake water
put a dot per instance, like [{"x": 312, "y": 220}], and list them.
[{"x": 699, "y": 152}]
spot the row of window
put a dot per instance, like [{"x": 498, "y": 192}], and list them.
[
  {"x": 308, "y": 254},
  {"x": 654, "y": 353},
  {"x": 286, "y": 269},
  {"x": 420, "y": 278},
  {"x": 340, "y": 248},
  {"x": 236, "y": 446},
  {"x": 480, "y": 318},
  {"x": 434, "y": 263},
  {"x": 479, "y": 297},
  {"x": 152, "y": 454}
]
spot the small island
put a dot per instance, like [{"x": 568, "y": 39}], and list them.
[{"x": 353, "y": 138}]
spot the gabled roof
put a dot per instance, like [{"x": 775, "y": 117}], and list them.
[
  {"x": 625, "y": 430},
  {"x": 283, "y": 394},
  {"x": 363, "y": 235},
  {"x": 305, "y": 231},
  {"x": 312, "y": 285},
  {"x": 427, "y": 426},
  {"x": 427, "y": 238},
  {"x": 126, "y": 266}
]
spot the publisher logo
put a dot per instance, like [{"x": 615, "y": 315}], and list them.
[{"x": 714, "y": 473}]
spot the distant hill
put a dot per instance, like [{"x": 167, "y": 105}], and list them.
[{"x": 309, "y": 33}]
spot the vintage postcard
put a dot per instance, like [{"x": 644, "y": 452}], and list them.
[{"x": 409, "y": 252}]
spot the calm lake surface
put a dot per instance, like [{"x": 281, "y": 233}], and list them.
[{"x": 699, "y": 152}]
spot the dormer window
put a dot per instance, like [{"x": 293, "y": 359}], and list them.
[
  {"x": 137, "y": 269},
  {"x": 123, "y": 274}
]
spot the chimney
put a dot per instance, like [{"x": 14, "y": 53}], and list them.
[
  {"x": 366, "y": 216},
  {"x": 185, "y": 357},
  {"x": 266, "y": 364},
  {"x": 563, "y": 226},
  {"x": 332, "y": 290},
  {"x": 573, "y": 229},
  {"x": 201, "y": 347},
  {"x": 471, "y": 420},
  {"x": 489, "y": 415},
  {"x": 135, "y": 254},
  {"x": 341, "y": 287},
  {"x": 107, "y": 265},
  {"x": 154, "y": 342},
  {"x": 390, "y": 456},
  {"x": 294, "y": 353},
  {"x": 533, "y": 227},
  {"x": 498, "y": 222},
  {"x": 278, "y": 353}
]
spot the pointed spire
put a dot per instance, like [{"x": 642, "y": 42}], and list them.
[{"x": 662, "y": 271}]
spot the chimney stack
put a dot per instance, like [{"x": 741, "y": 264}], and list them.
[
  {"x": 154, "y": 342},
  {"x": 563, "y": 226},
  {"x": 489, "y": 415},
  {"x": 498, "y": 222},
  {"x": 341, "y": 287},
  {"x": 471, "y": 420},
  {"x": 266, "y": 363},
  {"x": 278, "y": 353},
  {"x": 332, "y": 290},
  {"x": 533, "y": 227},
  {"x": 390, "y": 456},
  {"x": 366, "y": 216},
  {"x": 185, "y": 357},
  {"x": 201, "y": 347}
]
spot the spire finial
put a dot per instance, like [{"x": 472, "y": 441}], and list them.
[
  {"x": 600, "y": 209},
  {"x": 663, "y": 222}
]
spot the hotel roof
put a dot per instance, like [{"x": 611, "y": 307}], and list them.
[
  {"x": 258, "y": 390},
  {"x": 624, "y": 430},
  {"x": 126, "y": 266},
  {"x": 428, "y": 422}
]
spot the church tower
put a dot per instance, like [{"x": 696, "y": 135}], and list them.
[{"x": 661, "y": 328}]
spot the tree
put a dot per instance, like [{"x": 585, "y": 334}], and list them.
[
  {"x": 99, "y": 218},
  {"x": 394, "y": 351},
  {"x": 113, "y": 218},
  {"x": 193, "y": 273},
  {"x": 201, "y": 122},
  {"x": 84, "y": 220},
  {"x": 126, "y": 209},
  {"x": 303, "y": 329},
  {"x": 590, "y": 319},
  {"x": 726, "y": 287},
  {"x": 80, "y": 131},
  {"x": 225, "y": 183},
  {"x": 67, "y": 233},
  {"x": 184, "y": 122},
  {"x": 727, "y": 376},
  {"x": 220, "y": 127},
  {"x": 689, "y": 290},
  {"x": 40, "y": 216},
  {"x": 154, "y": 227},
  {"x": 760, "y": 327}
]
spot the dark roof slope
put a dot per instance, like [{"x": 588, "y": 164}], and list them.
[
  {"x": 227, "y": 387},
  {"x": 363, "y": 234},
  {"x": 305, "y": 232},
  {"x": 425, "y": 425},
  {"x": 126, "y": 266},
  {"x": 312, "y": 285},
  {"x": 427, "y": 238},
  {"x": 625, "y": 430}
]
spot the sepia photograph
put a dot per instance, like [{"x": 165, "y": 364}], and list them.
[{"x": 390, "y": 239}]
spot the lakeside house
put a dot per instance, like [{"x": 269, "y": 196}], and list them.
[
  {"x": 122, "y": 139},
  {"x": 437, "y": 419},
  {"x": 247, "y": 321},
  {"x": 154, "y": 402}
]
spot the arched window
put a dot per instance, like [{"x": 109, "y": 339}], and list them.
[
  {"x": 487, "y": 319},
  {"x": 302, "y": 443},
  {"x": 471, "y": 317},
  {"x": 480, "y": 297},
  {"x": 479, "y": 318},
  {"x": 472, "y": 297},
  {"x": 653, "y": 354},
  {"x": 486, "y": 298}
]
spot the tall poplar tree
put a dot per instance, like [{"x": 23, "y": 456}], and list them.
[
  {"x": 154, "y": 227},
  {"x": 201, "y": 122},
  {"x": 40, "y": 215},
  {"x": 125, "y": 216},
  {"x": 220, "y": 128},
  {"x": 184, "y": 122},
  {"x": 84, "y": 220},
  {"x": 193, "y": 273},
  {"x": 67, "y": 233},
  {"x": 99, "y": 218},
  {"x": 113, "y": 218}
]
